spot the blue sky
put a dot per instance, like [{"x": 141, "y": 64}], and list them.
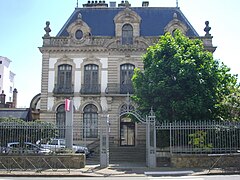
[{"x": 22, "y": 23}]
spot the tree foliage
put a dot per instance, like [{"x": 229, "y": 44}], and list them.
[
  {"x": 181, "y": 80},
  {"x": 230, "y": 106}
]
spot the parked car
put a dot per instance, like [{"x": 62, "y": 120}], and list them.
[
  {"x": 59, "y": 145},
  {"x": 3, "y": 150},
  {"x": 26, "y": 148}
]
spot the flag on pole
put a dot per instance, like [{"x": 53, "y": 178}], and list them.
[{"x": 67, "y": 104}]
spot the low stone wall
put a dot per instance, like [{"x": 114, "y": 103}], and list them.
[
  {"x": 206, "y": 161},
  {"x": 73, "y": 161}
]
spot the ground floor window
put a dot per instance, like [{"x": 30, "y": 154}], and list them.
[
  {"x": 90, "y": 122},
  {"x": 61, "y": 121}
]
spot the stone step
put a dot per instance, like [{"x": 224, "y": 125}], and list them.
[
  {"x": 128, "y": 154},
  {"x": 164, "y": 162}
]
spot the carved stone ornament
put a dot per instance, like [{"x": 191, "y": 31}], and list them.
[
  {"x": 175, "y": 24},
  {"x": 207, "y": 28},
  {"x": 47, "y": 29},
  {"x": 79, "y": 32}
]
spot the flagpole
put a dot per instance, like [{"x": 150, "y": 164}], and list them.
[{"x": 69, "y": 123}]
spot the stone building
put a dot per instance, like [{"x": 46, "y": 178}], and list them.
[{"x": 91, "y": 61}]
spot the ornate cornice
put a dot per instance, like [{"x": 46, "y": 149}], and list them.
[{"x": 97, "y": 44}]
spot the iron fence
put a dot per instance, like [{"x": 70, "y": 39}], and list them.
[
  {"x": 189, "y": 137},
  {"x": 198, "y": 137},
  {"x": 26, "y": 137}
]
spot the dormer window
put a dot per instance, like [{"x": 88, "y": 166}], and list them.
[
  {"x": 79, "y": 31},
  {"x": 175, "y": 24},
  {"x": 127, "y": 34},
  {"x": 79, "y": 34},
  {"x": 127, "y": 26}
]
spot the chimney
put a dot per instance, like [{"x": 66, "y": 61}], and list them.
[
  {"x": 14, "y": 102},
  {"x": 145, "y": 3},
  {"x": 112, "y": 4},
  {"x": 2, "y": 98},
  {"x": 124, "y": 4},
  {"x": 94, "y": 4}
]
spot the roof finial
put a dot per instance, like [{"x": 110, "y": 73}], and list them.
[
  {"x": 127, "y": 4},
  {"x": 77, "y": 3},
  {"x": 177, "y": 3}
]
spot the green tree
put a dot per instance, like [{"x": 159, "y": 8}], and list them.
[
  {"x": 230, "y": 106},
  {"x": 181, "y": 80}
]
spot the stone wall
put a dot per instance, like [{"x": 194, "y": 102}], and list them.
[
  {"x": 73, "y": 161},
  {"x": 205, "y": 161}
]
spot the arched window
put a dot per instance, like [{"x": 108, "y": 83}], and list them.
[
  {"x": 91, "y": 85},
  {"x": 90, "y": 121},
  {"x": 64, "y": 78},
  {"x": 126, "y": 78},
  {"x": 61, "y": 121},
  {"x": 127, "y": 34}
]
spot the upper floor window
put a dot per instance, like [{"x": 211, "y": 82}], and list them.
[
  {"x": 127, "y": 34},
  {"x": 91, "y": 84},
  {"x": 10, "y": 89},
  {"x": 126, "y": 78},
  {"x": 64, "y": 81},
  {"x": 91, "y": 74},
  {"x": 0, "y": 62}
]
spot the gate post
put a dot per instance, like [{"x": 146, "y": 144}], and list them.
[
  {"x": 104, "y": 141},
  {"x": 151, "y": 140}
]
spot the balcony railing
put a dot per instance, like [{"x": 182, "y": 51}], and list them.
[
  {"x": 114, "y": 88},
  {"x": 90, "y": 89},
  {"x": 59, "y": 89}
]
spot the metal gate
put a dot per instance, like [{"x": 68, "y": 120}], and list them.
[{"x": 149, "y": 121}]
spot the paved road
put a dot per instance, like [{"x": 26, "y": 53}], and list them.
[{"x": 219, "y": 177}]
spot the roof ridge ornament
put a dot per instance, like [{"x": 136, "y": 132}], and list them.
[
  {"x": 127, "y": 4},
  {"x": 79, "y": 15},
  {"x": 175, "y": 16}
]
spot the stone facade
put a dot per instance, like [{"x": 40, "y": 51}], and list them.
[
  {"x": 80, "y": 43},
  {"x": 206, "y": 161}
]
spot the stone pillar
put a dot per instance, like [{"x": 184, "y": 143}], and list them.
[
  {"x": 151, "y": 140},
  {"x": 44, "y": 116},
  {"x": 2, "y": 98},
  {"x": 14, "y": 103}
]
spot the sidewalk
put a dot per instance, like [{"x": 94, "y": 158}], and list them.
[{"x": 119, "y": 170}]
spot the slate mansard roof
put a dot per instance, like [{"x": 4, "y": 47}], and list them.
[
  {"x": 154, "y": 20},
  {"x": 20, "y": 113}
]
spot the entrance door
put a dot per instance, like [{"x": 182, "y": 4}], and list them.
[{"x": 127, "y": 132}]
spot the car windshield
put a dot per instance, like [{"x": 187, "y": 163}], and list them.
[{"x": 53, "y": 142}]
